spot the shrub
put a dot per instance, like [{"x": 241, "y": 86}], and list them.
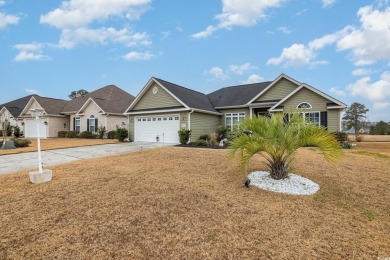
[
  {"x": 184, "y": 135},
  {"x": 204, "y": 137},
  {"x": 17, "y": 133},
  {"x": 201, "y": 142},
  {"x": 213, "y": 139},
  {"x": 121, "y": 134},
  {"x": 359, "y": 138},
  {"x": 62, "y": 134},
  {"x": 22, "y": 142},
  {"x": 72, "y": 134},
  {"x": 346, "y": 145},
  {"x": 101, "y": 131},
  {"x": 87, "y": 135},
  {"x": 1, "y": 143},
  {"x": 111, "y": 134},
  {"x": 341, "y": 136},
  {"x": 222, "y": 132}
]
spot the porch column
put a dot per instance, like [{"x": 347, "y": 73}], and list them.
[{"x": 250, "y": 112}]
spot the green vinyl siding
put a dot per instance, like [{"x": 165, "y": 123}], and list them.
[
  {"x": 334, "y": 120},
  {"x": 278, "y": 91},
  {"x": 159, "y": 100},
  {"x": 203, "y": 124},
  {"x": 317, "y": 102}
]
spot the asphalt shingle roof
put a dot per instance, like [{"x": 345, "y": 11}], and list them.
[
  {"x": 191, "y": 98},
  {"x": 15, "y": 107},
  {"x": 109, "y": 98},
  {"x": 52, "y": 106},
  {"x": 236, "y": 95}
]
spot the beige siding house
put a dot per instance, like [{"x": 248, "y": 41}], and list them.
[
  {"x": 162, "y": 108},
  {"x": 102, "y": 107}
]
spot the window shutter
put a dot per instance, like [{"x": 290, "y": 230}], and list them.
[
  {"x": 285, "y": 118},
  {"x": 96, "y": 124},
  {"x": 88, "y": 124},
  {"x": 74, "y": 124},
  {"x": 324, "y": 119}
]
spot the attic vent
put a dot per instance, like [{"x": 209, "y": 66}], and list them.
[{"x": 155, "y": 90}]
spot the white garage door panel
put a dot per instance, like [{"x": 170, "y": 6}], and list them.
[
  {"x": 147, "y": 128},
  {"x": 30, "y": 129}
]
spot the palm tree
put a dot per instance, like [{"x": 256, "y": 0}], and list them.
[{"x": 277, "y": 141}]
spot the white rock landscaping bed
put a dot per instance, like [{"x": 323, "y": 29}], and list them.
[{"x": 294, "y": 184}]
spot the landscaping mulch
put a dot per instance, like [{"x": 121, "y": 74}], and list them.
[{"x": 179, "y": 203}]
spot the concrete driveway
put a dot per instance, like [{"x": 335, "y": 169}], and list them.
[{"x": 24, "y": 161}]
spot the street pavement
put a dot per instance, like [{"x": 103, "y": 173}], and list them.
[{"x": 29, "y": 161}]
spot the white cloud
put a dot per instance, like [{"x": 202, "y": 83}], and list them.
[
  {"x": 240, "y": 69},
  {"x": 2, "y": 3},
  {"x": 298, "y": 55},
  {"x": 254, "y": 78},
  {"x": 134, "y": 55},
  {"x": 371, "y": 42},
  {"x": 31, "y": 91},
  {"x": 6, "y": 19},
  {"x": 362, "y": 72},
  {"x": 218, "y": 73},
  {"x": 77, "y": 19},
  {"x": 239, "y": 13},
  {"x": 328, "y": 3},
  {"x": 377, "y": 92},
  {"x": 284, "y": 30},
  {"x": 80, "y": 13},
  {"x": 31, "y": 51},
  {"x": 338, "y": 92},
  {"x": 71, "y": 38}
]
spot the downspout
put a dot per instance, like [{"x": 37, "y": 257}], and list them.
[
  {"x": 128, "y": 127},
  {"x": 189, "y": 121}
]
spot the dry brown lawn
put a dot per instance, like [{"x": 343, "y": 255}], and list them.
[
  {"x": 371, "y": 138},
  {"x": 181, "y": 203},
  {"x": 58, "y": 143}
]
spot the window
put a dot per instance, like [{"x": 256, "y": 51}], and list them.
[
  {"x": 312, "y": 118},
  {"x": 77, "y": 124},
  {"x": 92, "y": 124},
  {"x": 233, "y": 119},
  {"x": 170, "y": 118},
  {"x": 304, "y": 105},
  {"x": 176, "y": 118}
]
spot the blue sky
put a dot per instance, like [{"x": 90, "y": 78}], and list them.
[{"x": 341, "y": 47}]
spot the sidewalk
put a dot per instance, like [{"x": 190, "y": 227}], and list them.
[{"x": 24, "y": 161}]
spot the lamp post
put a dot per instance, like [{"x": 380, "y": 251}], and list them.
[
  {"x": 37, "y": 113},
  {"x": 41, "y": 175}
]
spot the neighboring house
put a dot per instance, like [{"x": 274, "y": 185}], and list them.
[
  {"x": 102, "y": 107},
  {"x": 52, "y": 120},
  {"x": 12, "y": 110},
  {"x": 162, "y": 108}
]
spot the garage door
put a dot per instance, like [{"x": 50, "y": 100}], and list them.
[
  {"x": 148, "y": 128},
  {"x": 30, "y": 129}
]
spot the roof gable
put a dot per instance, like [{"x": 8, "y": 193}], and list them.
[
  {"x": 334, "y": 102},
  {"x": 274, "y": 83},
  {"x": 15, "y": 107},
  {"x": 87, "y": 104}
]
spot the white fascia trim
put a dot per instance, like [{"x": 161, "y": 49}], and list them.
[
  {"x": 114, "y": 114},
  {"x": 32, "y": 99},
  {"x": 276, "y": 110},
  {"x": 145, "y": 88},
  {"x": 3, "y": 110},
  {"x": 206, "y": 112},
  {"x": 69, "y": 113},
  {"x": 157, "y": 111},
  {"x": 335, "y": 107},
  {"x": 262, "y": 104},
  {"x": 89, "y": 100},
  {"x": 229, "y": 107},
  {"x": 273, "y": 83}
]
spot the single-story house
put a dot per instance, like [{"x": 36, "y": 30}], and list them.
[
  {"x": 102, "y": 107},
  {"x": 11, "y": 111},
  {"x": 162, "y": 108}
]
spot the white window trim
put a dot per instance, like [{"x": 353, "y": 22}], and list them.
[
  {"x": 304, "y": 115},
  {"x": 304, "y": 107},
  {"x": 243, "y": 115},
  {"x": 93, "y": 118},
  {"x": 75, "y": 124}
]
